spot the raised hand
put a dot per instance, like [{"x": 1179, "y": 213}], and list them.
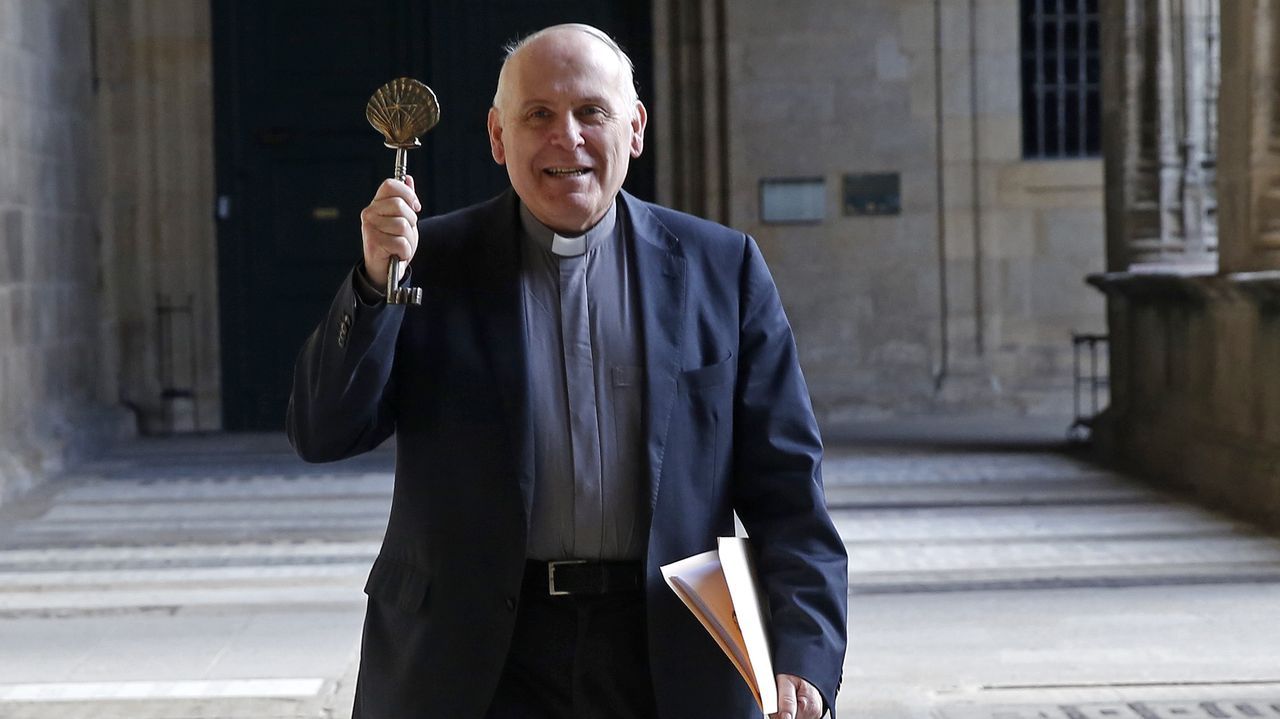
[{"x": 389, "y": 228}]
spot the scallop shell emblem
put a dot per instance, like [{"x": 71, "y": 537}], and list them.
[{"x": 402, "y": 110}]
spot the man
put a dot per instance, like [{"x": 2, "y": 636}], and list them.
[{"x": 590, "y": 389}]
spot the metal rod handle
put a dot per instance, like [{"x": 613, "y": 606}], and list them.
[
  {"x": 402, "y": 163},
  {"x": 397, "y": 295}
]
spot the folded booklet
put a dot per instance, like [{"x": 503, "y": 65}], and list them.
[{"x": 722, "y": 590}]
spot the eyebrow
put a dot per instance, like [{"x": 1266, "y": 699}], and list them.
[{"x": 590, "y": 100}]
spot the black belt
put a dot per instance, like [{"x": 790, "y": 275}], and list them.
[{"x": 580, "y": 576}]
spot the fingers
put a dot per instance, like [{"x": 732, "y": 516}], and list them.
[
  {"x": 808, "y": 701},
  {"x": 403, "y": 190},
  {"x": 786, "y": 698},
  {"x": 797, "y": 699},
  {"x": 389, "y": 227}
]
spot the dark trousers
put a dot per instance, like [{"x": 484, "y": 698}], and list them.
[{"x": 577, "y": 657}]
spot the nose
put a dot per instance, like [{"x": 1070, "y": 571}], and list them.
[{"x": 567, "y": 132}]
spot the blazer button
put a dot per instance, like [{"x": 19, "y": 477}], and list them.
[
  {"x": 344, "y": 328},
  {"x": 511, "y": 604}
]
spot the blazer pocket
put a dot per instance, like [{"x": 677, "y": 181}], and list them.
[
  {"x": 401, "y": 585},
  {"x": 712, "y": 375}
]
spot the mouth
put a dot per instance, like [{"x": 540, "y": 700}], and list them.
[{"x": 566, "y": 171}]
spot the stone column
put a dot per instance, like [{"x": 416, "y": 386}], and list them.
[
  {"x": 1249, "y": 113},
  {"x": 1198, "y": 129},
  {"x": 55, "y": 402},
  {"x": 691, "y": 102},
  {"x": 154, "y": 104},
  {"x": 1160, "y": 134}
]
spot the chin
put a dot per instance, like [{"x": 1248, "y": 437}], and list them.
[{"x": 577, "y": 219}]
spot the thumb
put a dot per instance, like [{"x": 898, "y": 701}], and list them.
[
  {"x": 786, "y": 699},
  {"x": 417, "y": 204}
]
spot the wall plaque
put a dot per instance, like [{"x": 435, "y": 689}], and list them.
[
  {"x": 790, "y": 200},
  {"x": 872, "y": 194}
]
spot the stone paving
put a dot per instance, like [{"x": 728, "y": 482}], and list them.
[
  {"x": 1031, "y": 584},
  {"x": 199, "y": 577},
  {"x": 220, "y": 577}
]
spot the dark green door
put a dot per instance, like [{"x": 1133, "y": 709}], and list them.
[{"x": 296, "y": 160}]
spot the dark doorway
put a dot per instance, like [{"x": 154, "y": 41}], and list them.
[{"x": 296, "y": 160}]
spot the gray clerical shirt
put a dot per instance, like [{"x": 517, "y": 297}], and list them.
[{"x": 585, "y": 386}]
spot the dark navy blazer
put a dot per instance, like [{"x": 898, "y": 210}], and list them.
[{"x": 728, "y": 425}]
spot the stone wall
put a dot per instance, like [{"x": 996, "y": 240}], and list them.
[
  {"x": 1195, "y": 401},
  {"x": 53, "y": 390},
  {"x": 966, "y": 300}
]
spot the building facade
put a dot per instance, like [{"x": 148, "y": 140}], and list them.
[{"x": 877, "y": 149}]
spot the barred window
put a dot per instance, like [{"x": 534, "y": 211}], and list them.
[{"x": 1061, "y": 97}]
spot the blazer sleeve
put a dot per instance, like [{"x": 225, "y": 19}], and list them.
[
  {"x": 341, "y": 402},
  {"x": 778, "y": 490}
]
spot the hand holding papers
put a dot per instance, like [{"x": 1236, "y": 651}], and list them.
[{"x": 720, "y": 587}]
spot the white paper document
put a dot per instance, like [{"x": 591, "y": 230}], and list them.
[{"x": 722, "y": 590}]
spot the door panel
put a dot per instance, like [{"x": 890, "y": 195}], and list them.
[{"x": 297, "y": 161}]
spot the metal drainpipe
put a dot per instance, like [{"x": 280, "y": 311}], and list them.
[{"x": 940, "y": 373}]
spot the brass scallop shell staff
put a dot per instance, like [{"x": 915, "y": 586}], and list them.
[{"x": 402, "y": 110}]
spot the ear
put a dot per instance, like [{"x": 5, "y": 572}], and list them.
[
  {"x": 639, "y": 118},
  {"x": 495, "y": 137}
]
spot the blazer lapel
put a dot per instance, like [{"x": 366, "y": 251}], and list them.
[
  {"x": 500, "y": 312},
  {"x": 660, "y": 271}
]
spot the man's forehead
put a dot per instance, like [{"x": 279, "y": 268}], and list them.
[
  {"x": 546, "y": 81},
  {"x": 564, "y": 62}
]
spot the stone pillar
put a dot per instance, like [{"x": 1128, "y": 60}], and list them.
[
  {"x": 54, "y": 402},
  {"x": 1249, "y": 173},
  {"x": 155, "y": 111},
  {"x": 1198, "y": 129},
  {"x": 691, "y": 102},
  {"x": 1160, "y": 133}
]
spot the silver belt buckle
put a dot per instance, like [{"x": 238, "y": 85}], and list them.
[{"x": 551, "y": 575}]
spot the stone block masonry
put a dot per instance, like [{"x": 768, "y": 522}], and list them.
[{"x": 53, "y": 396}]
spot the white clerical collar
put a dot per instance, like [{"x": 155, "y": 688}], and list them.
[
  {"x": 568, "y": 246},
  {"x": 562, "y": 246}
]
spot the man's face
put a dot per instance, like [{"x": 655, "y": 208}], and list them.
[{"x": 566, "y": 128}]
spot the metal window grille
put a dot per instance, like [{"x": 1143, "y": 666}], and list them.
[
  {"x": 1061, "y": 79},
  {"x": 1092, "y": 381}
]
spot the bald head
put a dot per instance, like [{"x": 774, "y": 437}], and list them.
[{"x": 576, "y": 37}]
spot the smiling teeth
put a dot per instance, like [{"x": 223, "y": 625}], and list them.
[{"x": 566, "y": 171}]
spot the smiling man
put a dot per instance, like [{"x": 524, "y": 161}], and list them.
[{"x": 592, "y": 387}]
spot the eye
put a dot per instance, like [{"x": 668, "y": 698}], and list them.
[
  {"x": 538, "y": 113},
  {"x": 592, "y": 113}
]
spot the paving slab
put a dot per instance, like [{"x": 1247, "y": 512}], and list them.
[{"x": 995, "y": 574}]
